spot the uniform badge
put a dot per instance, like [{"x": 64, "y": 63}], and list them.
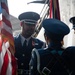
[{"x": 33, "y": 43}]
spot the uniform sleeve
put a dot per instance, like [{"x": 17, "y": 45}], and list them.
[
  {"x": 69, "y": 56},
  {"x": 33, "y": 64}
]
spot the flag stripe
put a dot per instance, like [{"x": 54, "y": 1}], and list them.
[
  {"x": 50, "y": 8},
  {"x": 4, "y": 12},
  {"x": 5, "y": 65},
  {"x": 54, "y": 9},
  {"x": 8, "y": 29},
  {"x": 8, "y": 38},
  {"x": 0, "y": 43},
  {"x": 6, "y": 21},
  {"x": 2, "y": 55},
  {"x": 7, "y": 34},
  {"x": 9, "y": 69},
  {"x": 4, "y": 6},
  {"x": 56, "y": 13}
]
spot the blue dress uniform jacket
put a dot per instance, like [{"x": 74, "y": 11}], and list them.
[
  {"x": 23, "y": 54},
  {"x": 42, "y": 61}
]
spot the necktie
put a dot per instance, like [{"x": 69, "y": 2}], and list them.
[{"x": 25, "y": 43}]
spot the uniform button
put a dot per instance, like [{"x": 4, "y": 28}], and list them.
[
  {"x": 22, "y": 64},
  {"x": 31, "y": 67},
  {"x": 23, "y": 55}
]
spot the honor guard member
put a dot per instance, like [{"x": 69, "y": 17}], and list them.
[
  {"x": 72, "y": 20},
  {"x": 49, "y": 61},
  {"x": 25, "y": 42}
]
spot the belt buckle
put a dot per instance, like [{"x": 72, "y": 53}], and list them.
[
  {"x": 46, "y": 71},
  {"x": 26, "y": 71},
  {"x": 20, "y": 71}
]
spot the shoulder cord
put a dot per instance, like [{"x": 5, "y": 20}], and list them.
[{"x": 38, "y": 61}]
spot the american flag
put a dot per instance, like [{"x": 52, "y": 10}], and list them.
[
  {"x": 54, "y": 9},
  {"x": 8, "y": 64}
]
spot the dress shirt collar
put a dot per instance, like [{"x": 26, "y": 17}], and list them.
[{"x": 23, "y": 39}]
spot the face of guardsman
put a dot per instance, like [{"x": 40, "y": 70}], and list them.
[{"x": 27, "y": 30}]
